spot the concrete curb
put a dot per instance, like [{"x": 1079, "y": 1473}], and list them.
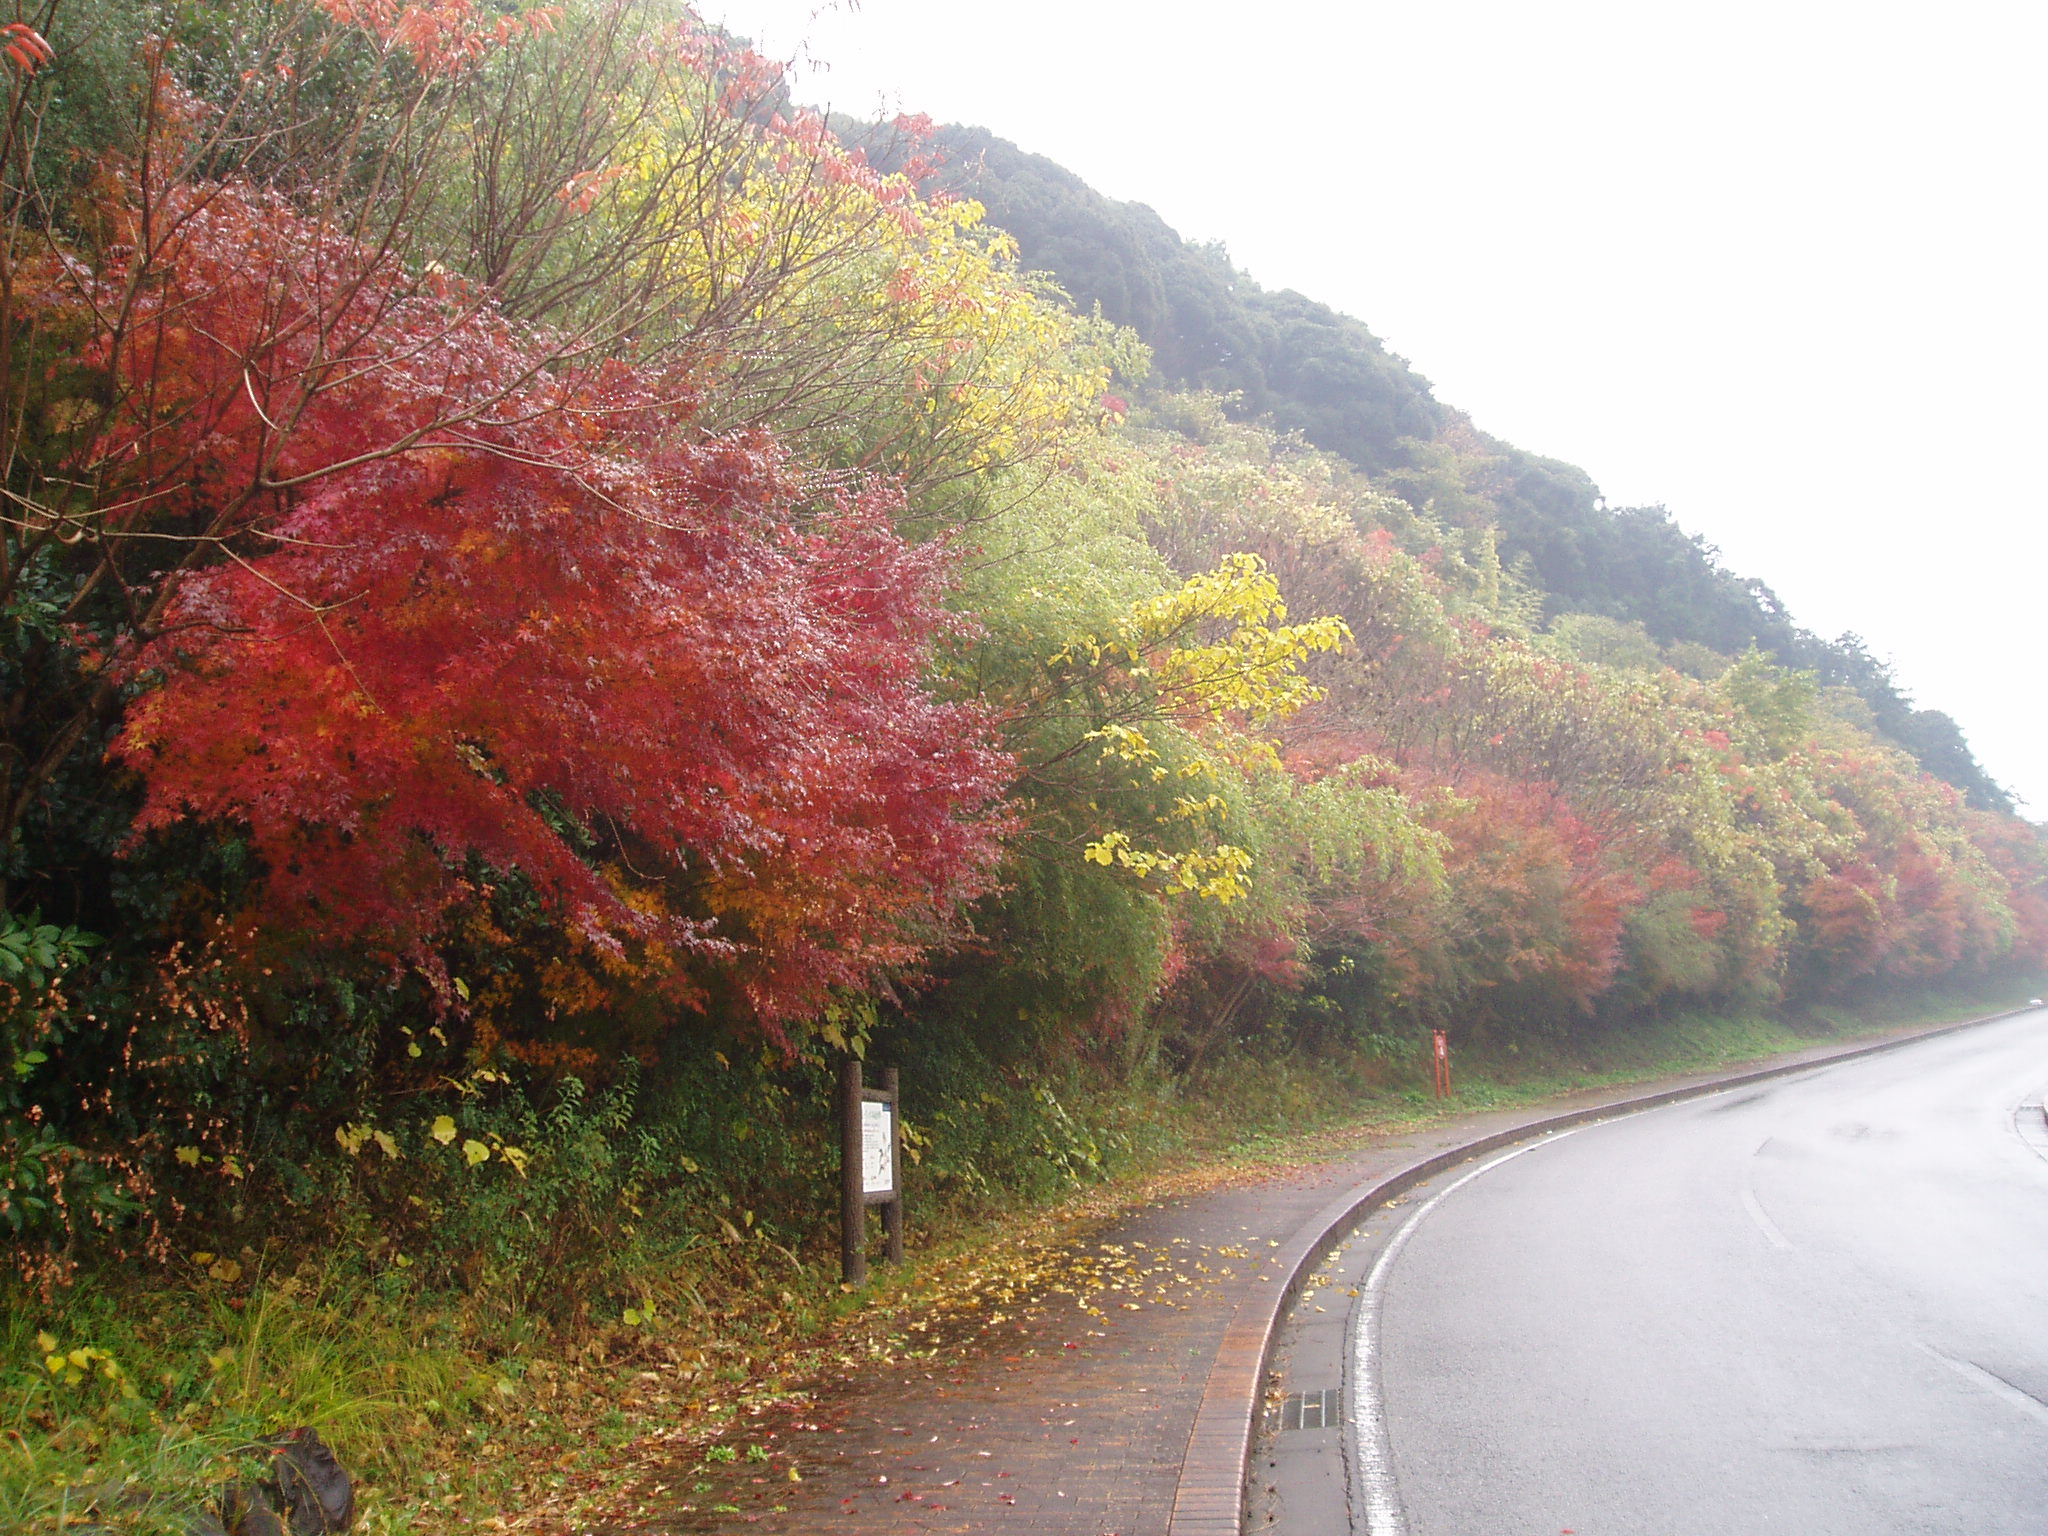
[{"x": 1209, "y": 1500}]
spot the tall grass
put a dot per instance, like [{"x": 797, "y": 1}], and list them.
[{"x": 181, "y": 1384}]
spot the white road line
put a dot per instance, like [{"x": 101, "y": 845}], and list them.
[
  {"x": 2030, "y": 1123},
  {"x": 1764, "y": 1224},
  {"x": 1375, "y": 1494},
  {"x": 1997, "y": 1386}
]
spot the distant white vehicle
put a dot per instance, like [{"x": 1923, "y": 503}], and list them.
[{"x": 2033, "y": 1002}]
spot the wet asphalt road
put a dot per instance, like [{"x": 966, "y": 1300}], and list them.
[{"x": 1816, "y": 1306}]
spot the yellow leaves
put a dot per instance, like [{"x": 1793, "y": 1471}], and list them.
[
  {"x": 840, "y": 290},
  {"x": 1186, "y": 808},
  {"x": 1211, "y": 656},
  {"x": 1105, "y": 850},
  {"x": 847, "y": 1023},
  {"x": 354, "y": 1137},
  {"x": 1214, "y": 648},
  {"x": 914, "y": 1140},
  {"x": 227, "y": 1271},
  {"x": 1240, "y": 589},
  {"x": 475, "y": 1152},
  {"x": 189, "y": 1156},
  {"x": 1124, "y": 743},
  {"x": 72, "y": 1367},
  {"x": 1220, "y": 874}
]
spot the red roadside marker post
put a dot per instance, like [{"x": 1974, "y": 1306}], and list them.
[
  {"x": 1440, "y": 1049},
  {"x": 870, "y": 1168}
]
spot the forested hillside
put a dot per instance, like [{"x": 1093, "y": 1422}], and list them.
[
  {"x": 547, "y": 599},
  {"x": 1286, "y": 359}
]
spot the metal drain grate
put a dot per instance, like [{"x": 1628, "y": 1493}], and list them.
[{"x": 1310, "y": 1410}]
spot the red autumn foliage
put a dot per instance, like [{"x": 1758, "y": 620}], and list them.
[
  {"x": 1539, "y": 906},
  {"x": 1842, "y": 927},
  {"x": 458, "y": 606},
  {"x": 2015, "y": 850},
  {"x": 439, "y": 36},
  {"x": 25, "y": 47}
]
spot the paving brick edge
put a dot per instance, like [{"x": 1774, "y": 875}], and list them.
[{"x": 1210, "y": 1500}]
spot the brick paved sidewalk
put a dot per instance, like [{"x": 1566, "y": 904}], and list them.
[
  {"x": 1072, "y": 1417},
  {"x": 1055, "y": 1420}
]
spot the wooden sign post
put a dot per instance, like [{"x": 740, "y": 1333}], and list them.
[
  {"x": 1440, "y": 1050},
  {"x": 870, "y": 1168}
]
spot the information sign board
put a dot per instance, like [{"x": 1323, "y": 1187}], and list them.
[
  {"x": 877, "y": 1148},
  {"x": 870, "y": 1173}
]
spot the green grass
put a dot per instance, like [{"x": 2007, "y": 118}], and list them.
[
  {"x": 1693, "y": 1043},
  {"x": 207, "y": 1370}
]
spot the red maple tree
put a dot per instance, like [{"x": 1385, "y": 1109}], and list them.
[{"x": 444, "y": 605}]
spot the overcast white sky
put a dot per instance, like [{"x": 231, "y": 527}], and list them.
[{"x": 1777, "y": 266}]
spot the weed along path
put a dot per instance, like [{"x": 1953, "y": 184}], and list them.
[{"x": 1104, "y": 1385}]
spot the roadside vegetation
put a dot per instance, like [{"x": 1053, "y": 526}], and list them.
[{"x": 545, "y": 598}]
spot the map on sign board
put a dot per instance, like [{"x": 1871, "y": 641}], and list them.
[{"x": 877, "y": 1149}]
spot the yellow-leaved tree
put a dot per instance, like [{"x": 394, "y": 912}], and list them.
[{"x": 1210, "y": 663}]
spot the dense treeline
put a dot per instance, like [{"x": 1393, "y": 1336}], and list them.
[
  {"x": 545, "y": 595},
  {"x": 1286, "y": 359}
]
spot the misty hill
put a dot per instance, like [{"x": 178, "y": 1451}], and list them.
[{"x": 1309, "y": 369}]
